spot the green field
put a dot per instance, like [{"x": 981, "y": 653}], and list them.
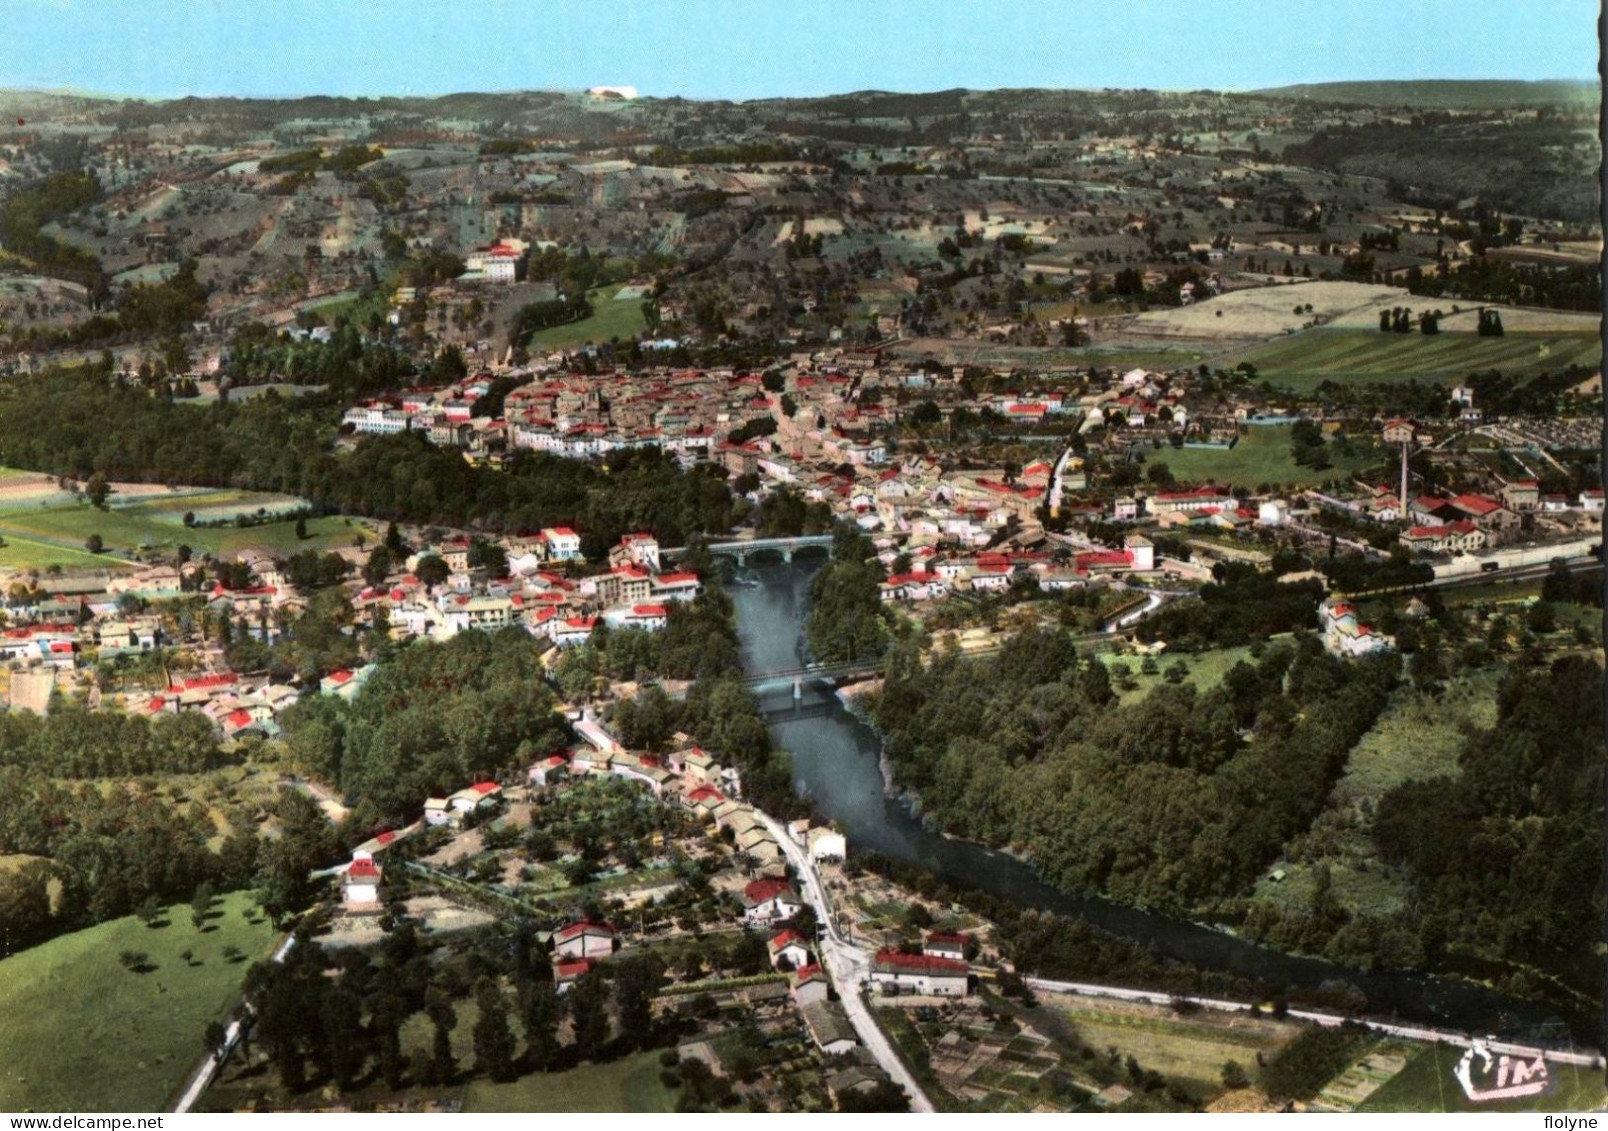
[
  {"x": 26, "y": 553},
  {"x": 1262, "y": 456},
  {"x": 1303, "y": 361},
  {"x": 1427, "y": 1084},
  {"x": 38, "y": 537},
  {"x": 628, "y": 1085},
  {"x": 83, "y": 1034},
  {"x": 611, "y": 318},
  {"x": 1206, "y": 669}
]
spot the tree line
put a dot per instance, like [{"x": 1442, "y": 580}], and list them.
[{"x": 54, "y": 422}]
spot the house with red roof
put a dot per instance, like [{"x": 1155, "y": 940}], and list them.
[
  {"x": 550, "y": 770},
  {"x": 1458, "y": 537},
  {"x": 1210, "y": 499},
  {"x": 769, "y": 901},
  {"x": 679, "y": 586},
  {"x": 586, "y": 938},
  {"x": 894, "y": 972},
  {"x": 360, "y": 887},
  {"x": 481, "y": 795},
  {"x": 791, "y": 947},
  {"x": 1486, "y": 513}
]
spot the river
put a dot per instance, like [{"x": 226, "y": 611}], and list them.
[{"x": 836, "y": 765}]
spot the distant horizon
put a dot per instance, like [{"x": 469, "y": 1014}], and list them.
[
  {"x": 114, "y": 96},
  {"x": 732, "y": 50}
]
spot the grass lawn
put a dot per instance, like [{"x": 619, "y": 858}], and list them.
[
  {"x": 1427, "y": 1084},
  {"x": 1189, "y": 1048},
  {"x": 59, "y": 532},
  {"x": 611, "y": 318},
  {"x": 628, "y": 1085},
  {"x": 27, "y": 553},
  {"x": 1206, "y": 669},
  {"x": 83, "y": 1034},
  {"x": 1261, "y": 456},
  {"x": 1303, "y": 361}
]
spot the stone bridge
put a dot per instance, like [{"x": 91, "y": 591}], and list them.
[{"x": 743, "y": 548}]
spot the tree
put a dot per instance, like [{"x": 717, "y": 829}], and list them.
[
  {"x": 301, "y": 528},
  {"x": 488, "y": 556},
  {"x": 1234, "y": 1075},
  {"x": 24, "y": 906},
  {"x": 432, "y": 569},
  {"x": 441, "y": 1067},
  {"x": 494, "y": 1040},
  {"x": 588, "y": 999},
  {"x": 635, "y": 982},
  {"x": 378, "y": 566},
  {"x": 94, "y": 544},
  {"x": 542, "y": 1011},
  {"x": 215, "y": 1037},
  {"x": 97, "y": 490}
]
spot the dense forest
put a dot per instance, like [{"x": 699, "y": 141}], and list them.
[
  {"x": 1176, "y": 801},
  {"x": 433, "y": 719},
  {"x": 1182, "y": 800},
  {"x": 55, "y": 423},
  {"x": 846, "y": 620},
  {"x": 1506, "y": 857}
]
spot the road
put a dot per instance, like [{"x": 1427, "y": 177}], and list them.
[
  {"x": 208, "y": 1068},
  {"x": 848, "y": 966},
  {"x": 1590, "y": 1058}
]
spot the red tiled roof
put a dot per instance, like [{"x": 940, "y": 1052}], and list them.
[
  {"x": 760, "y": 891},
  {"x": 919, "y": 963},
  {"x": 584, "y": 927}
]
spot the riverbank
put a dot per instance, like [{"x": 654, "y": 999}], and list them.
[{"x": 838, "y": 767}]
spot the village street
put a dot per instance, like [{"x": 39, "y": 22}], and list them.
[{"x": 848, "y": 966}]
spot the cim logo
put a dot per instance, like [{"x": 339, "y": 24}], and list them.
[{"x": 1499, "y": 1077}]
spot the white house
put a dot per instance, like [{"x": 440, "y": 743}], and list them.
[
  {"x": 360, "y": 889},
  {"x": 789, "y": 945},
  {"x": 563, "y": 544},
  {"x": 894, "y": 972},
  {"x": 769, "y": 901},
  {"x": 586, "y": 939}
]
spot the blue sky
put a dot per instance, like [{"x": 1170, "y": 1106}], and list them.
[{"x": 754, "y": 49}]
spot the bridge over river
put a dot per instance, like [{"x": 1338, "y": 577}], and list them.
[{"x": 742, "y": 548}]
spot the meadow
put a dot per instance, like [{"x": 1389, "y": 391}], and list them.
[
  {"x": 1192, "y": 1048},
  {"x": 611, "y": 318},
  {"x": 1206, "y": 669},
  {"x": 1262, "y": 457},
  {"x": 38, "y": 537},
  {"x": 630, "y": 1084},
  {"x": 1303, "y": 361},
  {"x": 81, "y": 1033}
]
